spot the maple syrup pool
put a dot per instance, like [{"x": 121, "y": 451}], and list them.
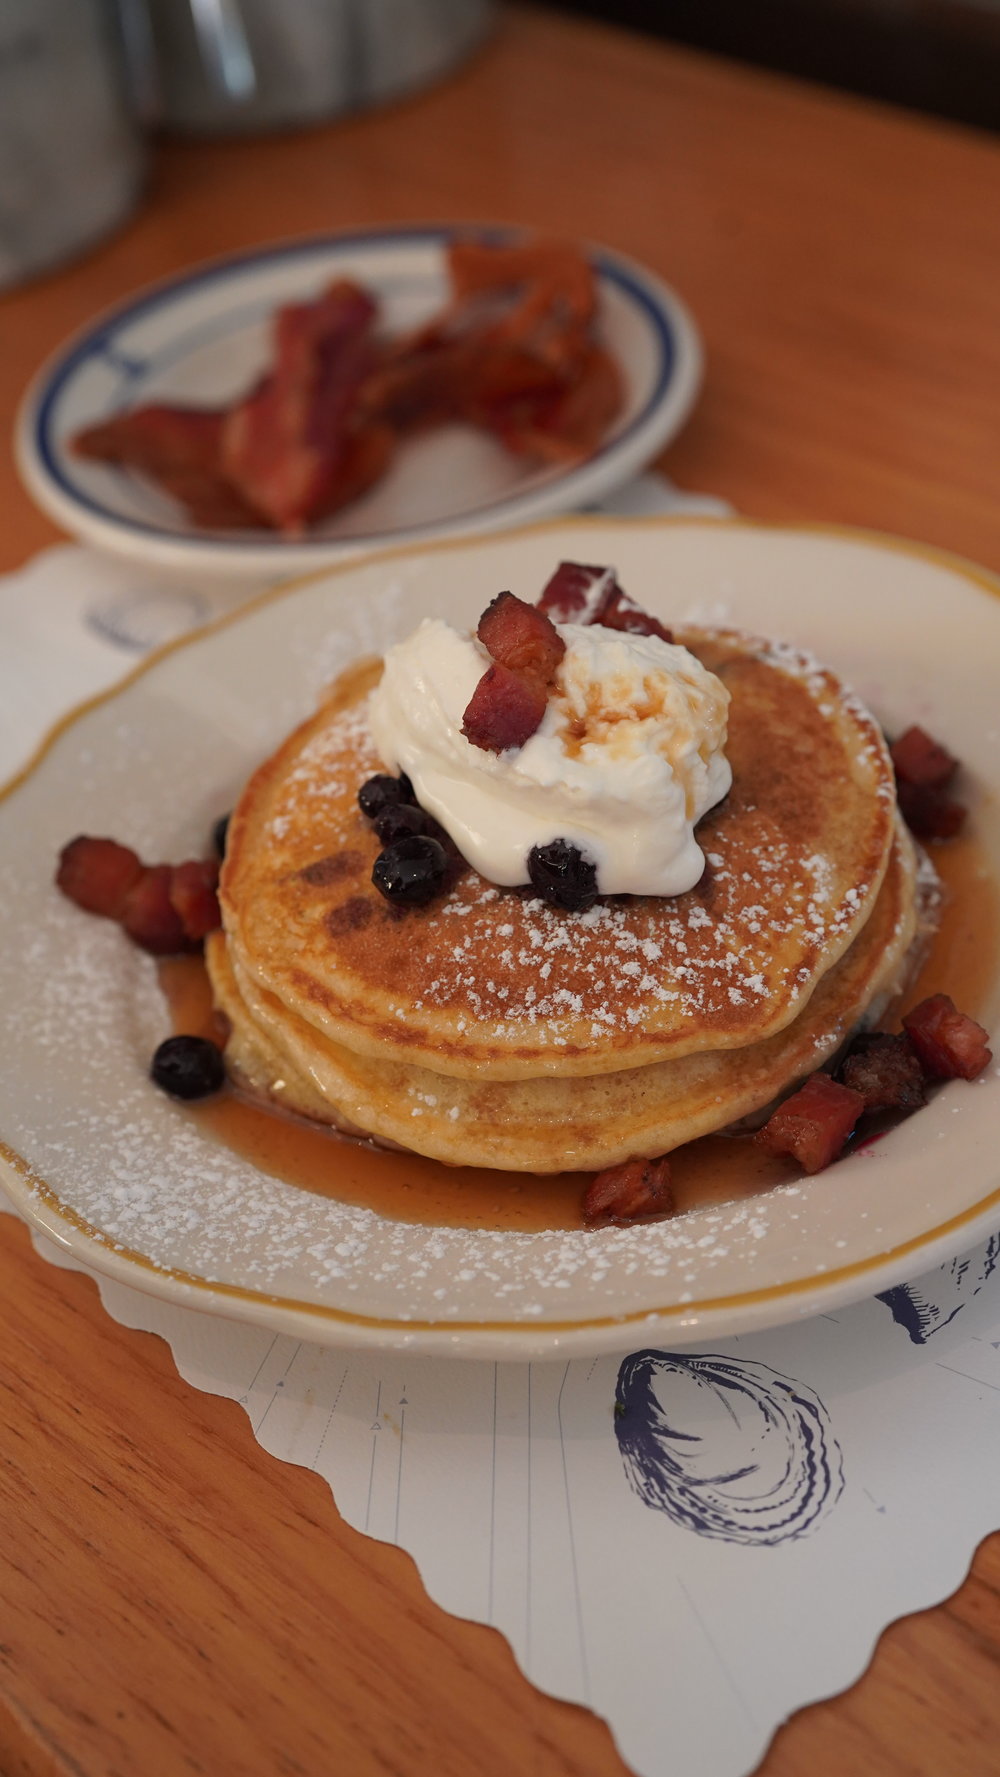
[{"x": 962, "y": 961}]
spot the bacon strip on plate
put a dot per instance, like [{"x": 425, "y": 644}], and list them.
[
  {"x": 179, "y": 448},
  {"x": 296, "y": 447}
]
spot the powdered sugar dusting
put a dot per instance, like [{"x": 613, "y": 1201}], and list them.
[
  {"x": 79, "y": 1107},
  {"x": 724, "y": 958}
]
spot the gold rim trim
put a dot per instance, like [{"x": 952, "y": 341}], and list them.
[
  {"x": 343, "y": 1317},
  {"x": 980, "y": 577}
]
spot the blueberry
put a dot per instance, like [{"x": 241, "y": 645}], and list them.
[
  {"x": 219, "y": 832},
  {"x": 411, "y": 871},
  {"x": 383, "y": 791},
  {"x": 188, "y": 1067},
  {"x": 561, "y": 874},
  {"x": 401, "y": 820}
]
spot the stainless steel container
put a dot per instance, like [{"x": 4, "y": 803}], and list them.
[
  {"x": 236, "y": 66},
  {"x": 71, "y": 155}
]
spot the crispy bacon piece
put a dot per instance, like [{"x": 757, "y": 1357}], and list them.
[
  {"x": 513, "y": 352},
  {"x": 509, "y": 701},
  {"x": 570, "y": 423},
  {"x": 621, "y": 612},
  {"x": 150, "y": 917},
  {"x": 635, "y": 1188},
  {"x": 814, "y": 1123},
  {"x": 504, "y": 710},
  {"x": 534, "y": 407},
  {"x": 522, "y": 637},
  {"x": 163, "y": 907},
  {"x": 97, "y": 874},
  {"x": 193, "y": 896},
  {"x": 414, "y": 387},
  {"x": 886, "y": 1071},
  {"x": 921, "y": 760},
  {"x": 924, "y": 769},
  {"x": 286, "y": 446},
  {"x": 949, "y": 1043},
  {"x": 550, "y": 283},
  {"x": 180, "y": 449},
  {"x": 538, "y": 410},
  {"x": 929, "y": 814},
  {"x": 577, "y": 593},
  {"x": 539, "y": 295}
]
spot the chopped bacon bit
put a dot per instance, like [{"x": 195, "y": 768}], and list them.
[
  {"x": 635, "y": 1188},
  {"x": 886, "y": 1071},
  {"x": 919, "y": 759},
  {"x": 193, "y": 896},
  {"x": 97, "y": 874},
  {"x": 163, "y": 907},
  {"x": 521, "y": 637},
  {"x": 284, "y": 446},
  {"x": 149, "y": 916},
  {"x": 949, "y": 1043},
  {"x": 924, "y": 769},
  {"x": 929, "y": 814},
  {"x": 621, "y": 612},
  {"x": 577, "y": 593},
  {"x": 504, "y": 710},
  {"x": 814, "y": 1123},
  {"x": 509, "y": 701}
]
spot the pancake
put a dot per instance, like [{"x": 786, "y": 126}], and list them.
[
  {"x": 554, "y": 1124},
  {"x": 489, "y": 985}
]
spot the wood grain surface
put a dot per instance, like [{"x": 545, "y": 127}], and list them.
[{"x": 172, "y": 1599}]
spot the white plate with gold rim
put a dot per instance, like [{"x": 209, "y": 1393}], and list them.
[{"x": 124, "y": 1179}]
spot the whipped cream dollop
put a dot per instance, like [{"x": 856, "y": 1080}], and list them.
[{"x": 628, "y": 757}]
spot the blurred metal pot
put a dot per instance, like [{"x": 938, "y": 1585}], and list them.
[
  {"x": 236, "y": 66},
  {"x": 71, "y": 156}
]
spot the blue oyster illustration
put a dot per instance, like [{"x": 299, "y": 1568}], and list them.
[
  {"x": 729, "y": 1449},
  {"x": 928, "y": 1304}
]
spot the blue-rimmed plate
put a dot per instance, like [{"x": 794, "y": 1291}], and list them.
[{"x": 202, "y": 338}]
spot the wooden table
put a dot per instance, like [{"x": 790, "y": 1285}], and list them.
[{"x": 171, "y": 1598}]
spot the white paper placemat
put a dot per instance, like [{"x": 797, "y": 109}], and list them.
[{"x": 693, "y": 1544}]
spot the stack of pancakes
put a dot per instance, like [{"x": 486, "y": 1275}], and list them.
[{"x": 489, "y": 1029}]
